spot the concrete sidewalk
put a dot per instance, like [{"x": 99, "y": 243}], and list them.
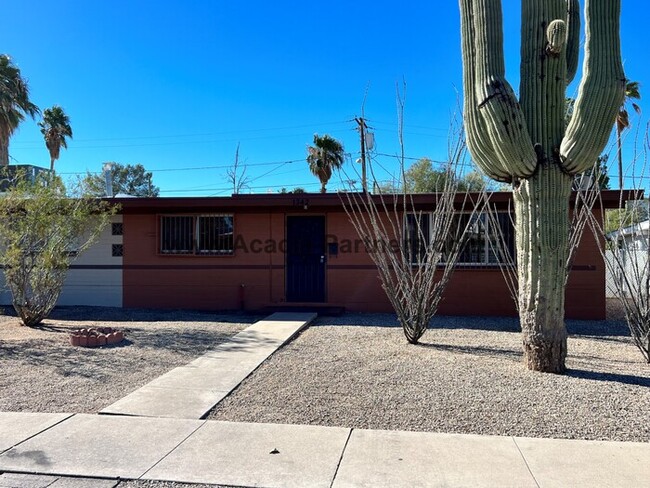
[
  {"x": 191, "y": 391},
  {"x": 269, "y": 455}
]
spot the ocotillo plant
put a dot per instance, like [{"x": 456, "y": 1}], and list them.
[{"x": 525, "y": 141}]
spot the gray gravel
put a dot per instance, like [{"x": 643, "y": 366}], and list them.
[
  {"x": 41, "y": 372},
  {"x": 466, "y": 377}
]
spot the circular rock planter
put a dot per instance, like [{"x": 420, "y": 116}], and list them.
[{"x": 96, "y": 337}]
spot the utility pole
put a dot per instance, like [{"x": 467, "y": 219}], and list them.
[{"x": 362, "y": 130}]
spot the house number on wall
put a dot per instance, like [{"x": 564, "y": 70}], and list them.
[{"x": 300, "y": 202}]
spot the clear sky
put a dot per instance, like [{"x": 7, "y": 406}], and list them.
[{"x": 176, "y": 85}]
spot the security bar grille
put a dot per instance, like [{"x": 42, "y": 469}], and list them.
[{"x": 196, "y": 234}]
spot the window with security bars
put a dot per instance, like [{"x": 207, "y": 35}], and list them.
[
  {"x": 196, "y": 234},
  {"x": 214, "y": 234},
  {"x": 482, "y": 235},
  {"x": 418, "y": 236}
]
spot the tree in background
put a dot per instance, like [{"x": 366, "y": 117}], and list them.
[
  {"x": 422, "y": 177},
  {"x": 323, "y": 157},
  {"x": 526, "y": 142},
  {"x": 55, "y": 128},
  {"x": 130, "y": 179},
  {"x": 14, "y": 104},
  {"x": 42, "y": 230},
  {"x": 617, "y": 219},
  {"x": 236, "y": 175},
  {"x": 623, "y": 122}
]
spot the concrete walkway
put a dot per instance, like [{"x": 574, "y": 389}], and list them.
[
  {"x": 191, "y": 391},
  {"x": 269, "y": 455}
]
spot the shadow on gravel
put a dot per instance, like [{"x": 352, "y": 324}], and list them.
[
  {"x": 598, "y": 328},
  {"x": 601, "y": 329},
  {"x": 191, "y": 342},
  {"x": 474, "y": 350},
  {"x": 114, "y": 314},
  {"x": 66, "y": 361},
  {"x": 139, "y": 344},
  {"x": 625, "y": 379},
  {"x": 496, "y": 324},
  {"x": 504, "y": 324},
  {"x": 56, "y": 329},
  {"x": 358, "y": 320}
]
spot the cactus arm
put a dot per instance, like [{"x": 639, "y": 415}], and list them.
[
  {"x": 481, "y": 148},
  {"x": 556, "y": 35},
  {"x": 601, "y": 91},
  {"x": 497, "y": 104},
  {"x": 573, "y": 39}
]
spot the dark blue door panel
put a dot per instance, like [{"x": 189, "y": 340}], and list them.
[{"x": 306, "y": 259}]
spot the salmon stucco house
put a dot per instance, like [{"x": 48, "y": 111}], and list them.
[{"x": 251, "y": 252}]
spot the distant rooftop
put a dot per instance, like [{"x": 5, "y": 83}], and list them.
[{"x": 9, "y": 173}]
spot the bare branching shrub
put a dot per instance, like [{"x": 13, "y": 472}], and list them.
[
  {"x": 41, "y": 231},
  {"x": 416, "y": 242},
  {"x": 626, "y": 251}
]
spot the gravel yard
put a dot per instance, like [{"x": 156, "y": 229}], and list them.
[
  {"x": 353, "y": 371},
  {"x": 467, "y": 377},
  {"x": 41, "y": 372}
]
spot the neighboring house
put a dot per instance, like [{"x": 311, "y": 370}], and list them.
[
  {"x": 9, "y": 173},
  {"x": 95, "y": 277},
  {"x": 250, "y": 252},
  {"x": 632, "y": 237},
  {"x": 631, "y": 246}
]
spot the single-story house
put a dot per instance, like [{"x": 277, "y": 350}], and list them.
[
  {"x": 251, "y": 252},
  {"x": 634, "y": 237}
]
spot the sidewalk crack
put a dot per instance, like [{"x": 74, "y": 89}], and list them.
[
  {"x": 338, "y": 465},
  {"x": 171, "y": 450},
  {"x": 525, "y": 462}
]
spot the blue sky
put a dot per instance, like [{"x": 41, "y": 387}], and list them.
[{"x": 176, "y": 85}]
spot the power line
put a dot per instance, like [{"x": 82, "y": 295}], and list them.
[
  {"x": 394, "y": 124},
  {"x": 411, "y": 158},
  {"x": 177, "y": 143},
  {"x": 196, "y": 168},
  {"x": 205, "y": 134},
  {"x": 252, "y": 187}
]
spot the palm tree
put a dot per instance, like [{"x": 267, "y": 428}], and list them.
[
  {"x": 623, "y": 122},
  {"x": 14, "y": 104},
  {"x": 55, "y": 127},
  {"x": 326, "y": 154}
]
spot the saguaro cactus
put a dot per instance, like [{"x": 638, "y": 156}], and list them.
[{"x": 525, "y": 142}]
